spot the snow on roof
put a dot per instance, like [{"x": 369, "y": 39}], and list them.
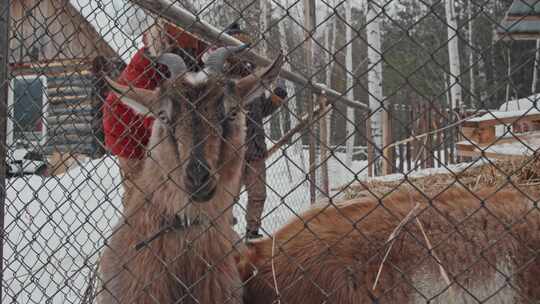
[
  {"x": 119, "y": 22},
  {"x": 520, "y": 20},
  {"x": 505, "y": 114},
  {"x": 521, "y": 104}
]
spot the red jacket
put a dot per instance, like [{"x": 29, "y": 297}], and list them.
[{"x": 127, "y": 132}]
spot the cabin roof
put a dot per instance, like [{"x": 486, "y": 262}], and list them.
[{"x": 521, "y": 21}]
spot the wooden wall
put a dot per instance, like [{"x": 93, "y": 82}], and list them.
[
  {"x": 50, "y": 38},
  {"x": 52, "y": 30}
]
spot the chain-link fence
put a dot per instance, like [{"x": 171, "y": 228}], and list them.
[{"x": 379, "y": 151}]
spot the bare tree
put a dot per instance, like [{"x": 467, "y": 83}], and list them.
[
  {"x": 471, "y": 51},
  {"x": 535, "y": 69},
  {"x": 292, "y": 105},
  {"x": 375, "y": 79},
  {"x": 453, "y": 55},
  {"x": 351, "y": 121}
]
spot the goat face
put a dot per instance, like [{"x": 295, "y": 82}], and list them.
[{"x": 195, "y": 112}]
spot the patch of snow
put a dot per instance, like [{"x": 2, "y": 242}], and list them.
[
  {"x": 55, "y": 228},
  {"x": 523, "y": 147},
  {"x": 454, "y": 168},
  {"x": 120, "y": 23},
  {"x": 505, "y": 114},
  {"x": 526, "y": 103},
  {"x": 288, "y": 187}
]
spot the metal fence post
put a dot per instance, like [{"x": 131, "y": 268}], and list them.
[{"x": 4, "y": 86}]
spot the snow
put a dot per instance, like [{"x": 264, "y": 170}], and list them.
[
  {"x": 453, "y": 168},
  {"x": 56, "y": 226},
  {"x": 504, "y": 114},
  {"x": 119, "y": 22},
  {"x": 526, "y": 145},
  {"x": 526, "y": 103}
]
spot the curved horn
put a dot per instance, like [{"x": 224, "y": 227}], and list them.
[
  {"x": 216, "y": 60},
  {"x": 175, "y": 64}
]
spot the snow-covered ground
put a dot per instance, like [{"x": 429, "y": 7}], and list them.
[{"x": 56, "y": 226}]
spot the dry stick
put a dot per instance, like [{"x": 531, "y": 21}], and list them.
[
  {"x": 419, "y": 154},
  {"x": 324, "y": 146},
  {"x": 444, "y": 274},
  {"x": 274, "y": 269},
  {"x": 193, "y": 24},
  {"x": 392, "y": 239},
  {"x": 299, "y": 126},
  {"x": 370, "y": 148}
]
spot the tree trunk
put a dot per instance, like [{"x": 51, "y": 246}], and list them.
[
  {"x": 453, "y": 55},
  {"x": 292, "y": 105},
  {"x": 351, "y": 121},
  {"x": 375, "y": 81},
  {"x": 309, "y": 26},
  {"x": 331, "y": 29},
  {"x": 508, "y": 76},
  {"x": 535, "y": 71},
  {"x": 471, "y": 54}
]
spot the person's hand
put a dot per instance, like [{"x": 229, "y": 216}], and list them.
[{"x": 280, "y": 92}]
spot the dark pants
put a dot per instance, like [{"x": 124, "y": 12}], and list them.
[{"x": 254, "y": 180}]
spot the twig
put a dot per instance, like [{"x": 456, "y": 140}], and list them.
[
  {"x": 274, "y": 269},
  {"x": 444, "y": 274},
  {"x": 530, "y": 184},
  {"x": 477, "y": 182},
  {"x": 392, "y": 239}
]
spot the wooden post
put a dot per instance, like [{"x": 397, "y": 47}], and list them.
[
  {"x": 323, "y": 134},
  {"x": 309, "y": 28},
  {"x": 387, "y": 140},
  {"x": 415, "y": 118},
  {"x": 401, "y": 158},
  {"x": 438, "y": 141},
  {"x": 369, "y": 140},
  {"x": 452, "y": 138},
  {"x": 421, "y": 142},
  {"x": 4, "y": 87},
  {"x": 430, "y": 148}
]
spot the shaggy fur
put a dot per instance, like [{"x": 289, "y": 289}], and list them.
[
  {"x": 488, "y": 243},
  {"x": 193, "y": 264}
]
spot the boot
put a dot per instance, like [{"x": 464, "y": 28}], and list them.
[{"x": 252, "y": 234}]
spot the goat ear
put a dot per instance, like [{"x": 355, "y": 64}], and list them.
[
  {"x": 140, "y": 100},
  {"x": 254, "y": 84}
]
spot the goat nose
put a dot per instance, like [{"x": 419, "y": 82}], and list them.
[{"x": 198, "y": 173}]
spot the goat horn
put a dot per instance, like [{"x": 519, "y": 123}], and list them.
[
  {"x": 141, "y": 100},
  {"x": 216, "y": 60},
  {"x": 175, "y": 64}
]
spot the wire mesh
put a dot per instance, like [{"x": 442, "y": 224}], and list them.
[{"x": 394, "y": 158}]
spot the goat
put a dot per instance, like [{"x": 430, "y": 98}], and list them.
[
  {"x": 488, "y": 242},
  {"x": 174, "y": 243}
]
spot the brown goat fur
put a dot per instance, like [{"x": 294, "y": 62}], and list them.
[
  {"x": 190, "y": 263},
  {"x": 332, "y": 252},
  {"x": 193, "y": 265}
]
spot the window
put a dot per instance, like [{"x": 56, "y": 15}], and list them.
[{"x": 27, "y": 108}]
